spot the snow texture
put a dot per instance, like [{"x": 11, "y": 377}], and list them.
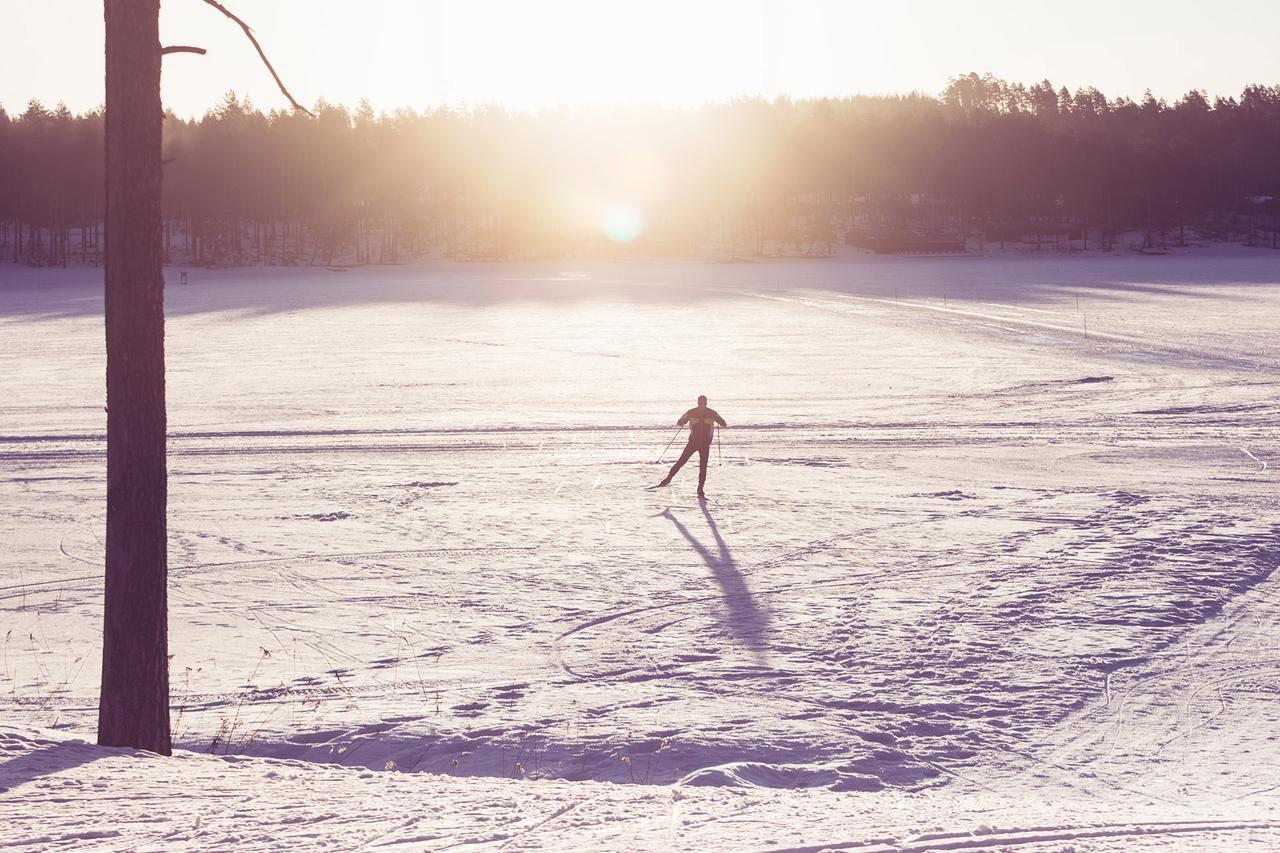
[{"x": 988, "y": 560}]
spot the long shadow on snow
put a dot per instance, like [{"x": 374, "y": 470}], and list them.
[
  {"x": 258, "y": 291},
  {"x": 746, "y": 622},
  {"x": 60, "y": 293}
]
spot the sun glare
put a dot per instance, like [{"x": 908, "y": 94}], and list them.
[{"x": 622, "y": 223}]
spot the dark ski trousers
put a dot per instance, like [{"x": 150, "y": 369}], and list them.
[{"x": 703, "y": 450}]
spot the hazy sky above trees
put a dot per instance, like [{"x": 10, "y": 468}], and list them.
[{"x": 526, "y": 54}]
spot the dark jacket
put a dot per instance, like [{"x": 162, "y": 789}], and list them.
[{"x": 700, "y": 420}]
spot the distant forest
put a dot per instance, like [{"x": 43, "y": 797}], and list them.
[{"x": 985, "y": 161}]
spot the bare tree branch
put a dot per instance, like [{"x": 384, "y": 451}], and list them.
[
  {"x": 182, "y": 48},
  {"x": 249, "y": 32}
]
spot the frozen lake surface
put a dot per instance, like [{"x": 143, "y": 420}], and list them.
[{"x": 988, "y": 539}]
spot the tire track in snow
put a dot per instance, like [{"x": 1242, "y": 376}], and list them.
[
  {"x": 1124, "y": 736},
  {"x": 1014, "y": 837}
]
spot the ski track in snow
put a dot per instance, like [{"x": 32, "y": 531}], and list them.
[{"x": 1003, "y": 579}]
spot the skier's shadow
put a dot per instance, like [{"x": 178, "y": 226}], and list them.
[{"x": 746, "y": 623}]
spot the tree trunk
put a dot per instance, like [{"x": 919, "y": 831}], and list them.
[{"x": 134, "y": 706}]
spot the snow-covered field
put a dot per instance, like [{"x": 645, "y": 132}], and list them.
[{"x": 989, "y": 549}]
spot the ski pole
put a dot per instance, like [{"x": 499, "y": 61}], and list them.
[
  {"x": 669, "y": 443},
  {"x": 719, "y": 458}
]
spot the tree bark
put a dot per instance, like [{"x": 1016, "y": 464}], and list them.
[{"x": 134, "y": 706}]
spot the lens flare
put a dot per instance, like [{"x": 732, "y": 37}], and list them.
[{"x": 622, "y": 223}]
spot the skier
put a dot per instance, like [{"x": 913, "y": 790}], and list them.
[{"x": 701, "y": 421}]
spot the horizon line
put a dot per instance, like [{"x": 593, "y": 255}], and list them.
[{"x": 590, "y": 107}]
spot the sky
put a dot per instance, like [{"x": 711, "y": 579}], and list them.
[{"x": 533, "y": 54}]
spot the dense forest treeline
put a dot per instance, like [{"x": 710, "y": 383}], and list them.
[{"x": 984, "y": 160}]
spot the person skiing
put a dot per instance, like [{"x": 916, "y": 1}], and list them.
[{"x": 701, "y": 421}]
